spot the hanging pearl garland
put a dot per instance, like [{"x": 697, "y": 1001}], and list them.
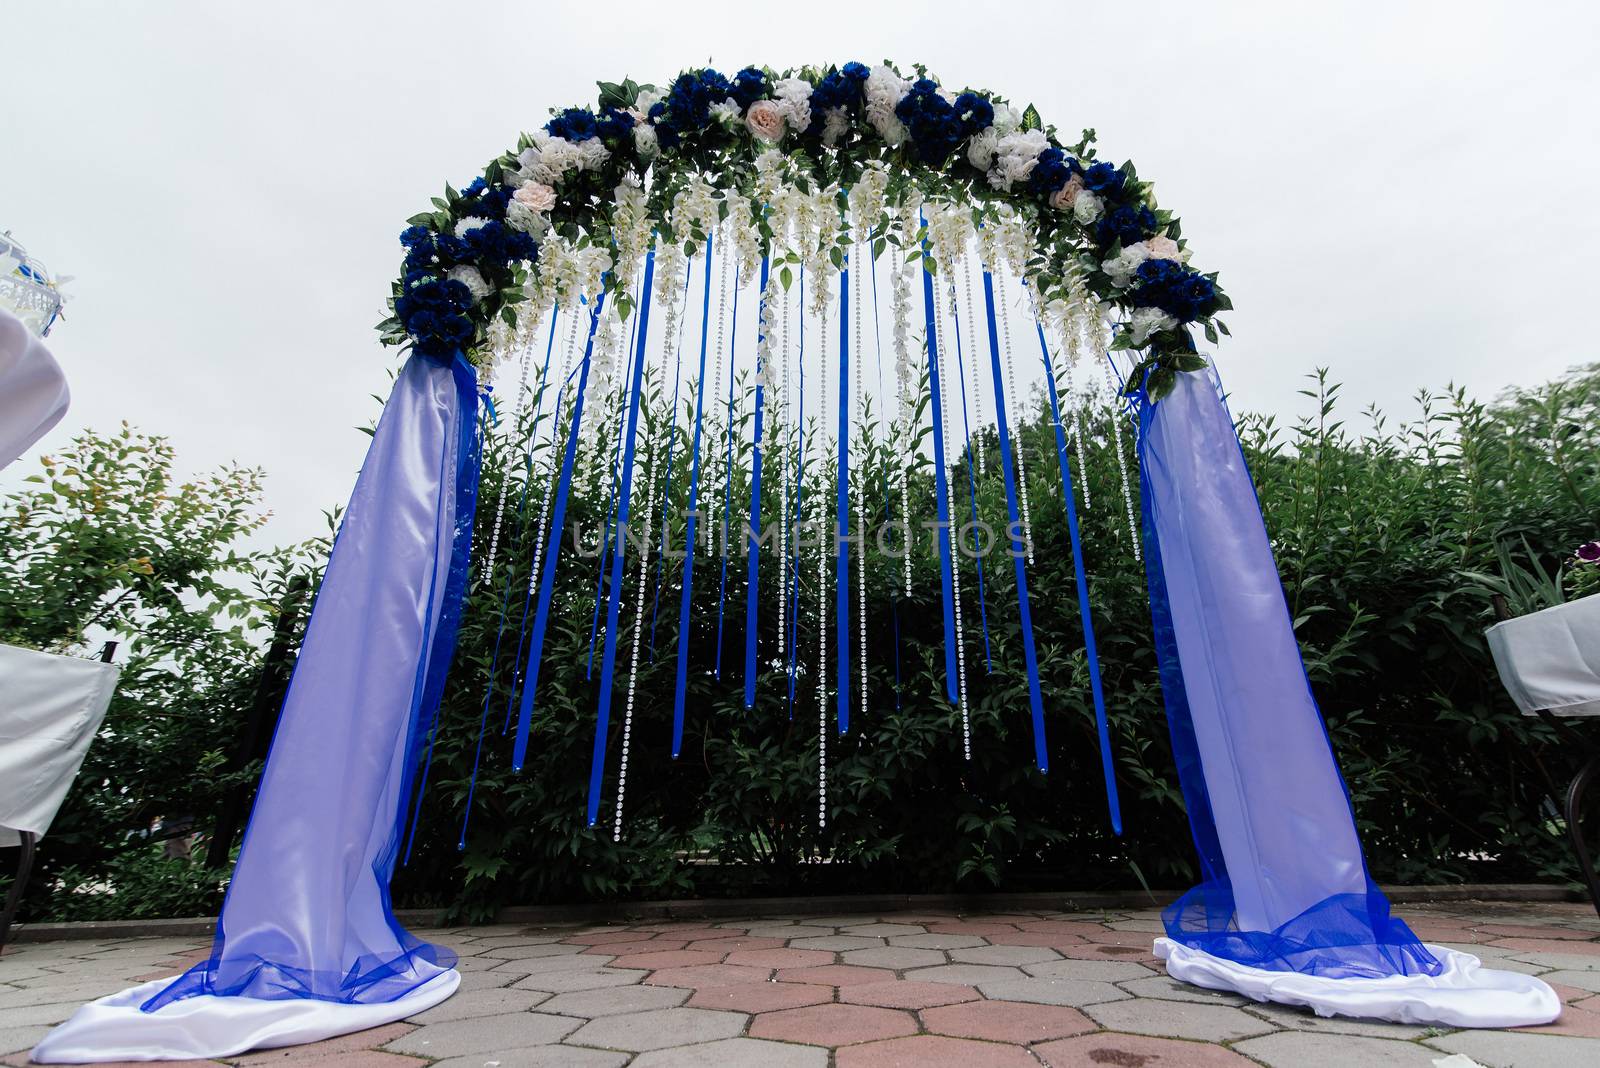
[
  {"x": 570, "y": 356},
  {"x": 824, "y": 524},
  {"x": 861, "y": 513},
  {"x": 778, "y": 436},
  {"x": 1069, "y": 357},
  {"x": 505, "y": 481},
  {"x": 1012, "y": 403},
  {"x": 955, "y": 542},
  {"x": 1116, "y": 440},
  {"x": 972, "y": 357},
  {"x": 717, "y": 408}
]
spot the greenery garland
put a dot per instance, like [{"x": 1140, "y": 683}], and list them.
[{"x": 1096, "y": 228}]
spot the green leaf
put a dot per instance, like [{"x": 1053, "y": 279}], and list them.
[{"x": 1031, "y": 119}]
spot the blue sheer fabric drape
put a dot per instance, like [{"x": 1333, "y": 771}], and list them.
[
  {"x": 1284, "y": 883},
  {"x": 308, "y": 912}
]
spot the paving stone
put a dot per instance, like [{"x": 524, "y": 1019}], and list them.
[
  {"x": 1094, "y": 951},
  {"x": 1306, "y": 1049},
  {"x": 1550, "y": 945},
  {"x": 736, "y": 944},
  {"x": 1109, "y": 971},
  {"x": 356, "y": 1058},
  {"x": 934, "y": 1051},
  {"x": 970, "y": 928},
  {"x": 644, "y": 945},
  {"x": 789, "y": 930},
  {"x": 658, "y": 1029},
  {"x": 20, "y": 1039},
  {"x": 1521, "y": 930},
  {"x": 883, "y": 930},
  {"x": 836, "y": 943},
  {"x": 573, "y": 961},
  {"x": 1006, "y": 1021},
  {"x": 836, "y": 922},
  {"x": 834, "y": 975},
  {"x": 895, "y": 957},
  {"x": 464, "y": 1005},
  {"x": 490, "y": 980},
  {"x": 1012, "y": 956},
  {"x": 736, "y": 1053},
  {"x": 1081, "y": 928},
  {"x": 764, "y": 997},
  {"x": 47, "y": 1014},
  {"x": 532, "y": 950},
  {"x": 780, "y": 958},
  {"x": 563, "y": 982},
  {"x": 507, "y": 1031},
  {"x": 704, "y": 975},
  {"x": 1166, "y": 988},
  {"x": 965, "y": 974},
  {"x": 937, "y": 941},
  {"x": 680, "y": 958},
  {"x": 1512, "y": 1049},
  {"x": 1581, "y": 980},
  {"x": 612, "y": 1002},
  {"x": 833, "y": 1024},
  {"x": 1107, "y": 1050},
  {"x": 1177, "y": 1019},
  {"x": 537, "y": 1057},
  {"x": 1049, "y": 991},
  {"x": 1547, "y": 959},
  {"x": 1298, "y": 1019},
  {"x": 904, "y": 994}
]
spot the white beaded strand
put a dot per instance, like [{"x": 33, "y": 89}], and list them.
[
  {"x": 1122, "y": 462},
  {"x": 861, "y": 466},
  {"x": 955, "y": 541},
  {"x": 505, "y": 481},
  {"x": 1012, "y": 407},
  {"x": 972, "y": 358}
]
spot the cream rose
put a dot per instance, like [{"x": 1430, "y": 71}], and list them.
[
  {"x": 1064, "y": 198},
  {"x": 766, "y": 122},
  {"x": 1164, "y": 248},
  {"x": 535, "y": 197}
]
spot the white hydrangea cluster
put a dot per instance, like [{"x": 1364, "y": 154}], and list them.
[
  {"x": 884, "y": 89},
  {"x": 473, "y": 279},
  {"x": 1016, "y": 154},
  {"x": 794, "y": 101},
  {"x": 548, "y": 158},
  {"x": 835, "y": 122},
  {"x": 1122, "y": 267}
]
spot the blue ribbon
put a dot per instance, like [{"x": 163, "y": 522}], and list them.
[
  {"x": 841, "y": 534},
  {"x": 681, "y": 686},
  {"x": 941, "y": 486},
  {"x": 972, "y": 483},
  {"x": 1018, "y": 550},
  {"x": 597, "y": 764},
  {"x": 1107, "y": 767},
  {"x": 611, "y": 528},
  {"x": 672, "y": 438},
  {"x": 547, "y": 575},
  {"x": 753, "y": 569}
]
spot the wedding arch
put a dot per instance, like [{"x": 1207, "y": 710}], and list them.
[{"x": 574, "y": 254}]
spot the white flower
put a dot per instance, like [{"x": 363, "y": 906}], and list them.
[
  {"x": 1164, "y": 248},
  {"x": 726, "y": 113},
  {"x": 1120, "y": 269},
  {"x": 647, "y": 99},
  {"x": 1016, "y": 154},
  {"x": 794, "y": 99},
  {"x": 472, "y": 279},
  {"x": 981, "y": 149},
  {"x": 467, "y": 225},
  {"x": 644, "y": 141},
  {"x": 766, "y": 121},
  {"x": 1146, "y": 321},
  {"x": 592, "y": 154},
  {"x": 834, "y": 124},
  {"x": 536, "y": 195},
  {"x": 885, "y": 89},
  {"x": 548, "y": 158},
  {"x": 1006, "y": 119},
  {"x": 521, "y": 217},
  {"x": 1087, "y": 208}
]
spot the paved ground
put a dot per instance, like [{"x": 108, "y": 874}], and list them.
[{"x": 869, "y": 991}]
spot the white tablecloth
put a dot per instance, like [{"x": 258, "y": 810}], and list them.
[
  {"x": 1550, "y": 660},
  {"x": 33, "y": 391},
  {"x": 50, "y": 710}
]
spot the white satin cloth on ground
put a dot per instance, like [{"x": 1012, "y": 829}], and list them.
[
  {"x": 116, "y": 1029},
  {"x": 1464, "y": 994},
  {"x": 51, "y": 707},
  {"x": 33, "y": 391}
]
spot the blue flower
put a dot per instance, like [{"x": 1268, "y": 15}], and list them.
[
  {"x": 573, "y": 124},
  {"x": 749, "y": 85},
  {"x": 687, "y": 108},
  {"x": 474, "y": 187},
  {"x": 412, "y": 236},
  {"x": 844, "y": 88},
  {"x": 1182, "y": 293},
  {"x": 975, "y": 112},
  {"x": 857, "y": 71},
  {"x": 1051, "y": 171},
  {"x": 439, "y": 334},
  {"x": 451, "y": 248},
  {"x": 932, "y": 122},
  {"x": 1104, "y": 179},
  {"x": 1127, "y": 224},
  {"x": 613, "y": 125},
  {"x": 496, "y": 243},
  {"x": 432, "y": 310},
  {"x": 485, "y": 201}
]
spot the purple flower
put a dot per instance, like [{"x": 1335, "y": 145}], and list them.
[{"x": 1589, "y": 552}]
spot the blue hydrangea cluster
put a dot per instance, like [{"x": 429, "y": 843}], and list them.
[
  {"x": 1182, "y": 293},
  {"x": 842, "y": 88},
  {"x": 433, "y": 310},
  {"x": 687, "y": 108},
  {"x": 581, "y": 124}
]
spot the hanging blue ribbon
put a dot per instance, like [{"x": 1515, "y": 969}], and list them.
[
  {"x": 752, "y": 546},
  {"x": 1018, "y": 549},
  {"x": 442, "y": 648},
  {"x": 941, "y": 486},
  {"x": 727, "y": 492},
  {"x": 602, "y": 726},
  {"x": 547, "y": 575},
  {"x": 1107, "y": 767},
  {"x": 841, "y": 533},
  {"x": 681, "y": 686},
  {"x": 611, "y": 526}
]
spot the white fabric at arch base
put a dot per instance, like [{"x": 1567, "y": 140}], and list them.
[
  {"x": 33, "y": 391},
  {"x": 116, "y": 1029},
  {"x": 1464, "y": 994}
]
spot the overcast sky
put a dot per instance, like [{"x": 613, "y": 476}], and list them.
[{"x": 1400, "y": 192}]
